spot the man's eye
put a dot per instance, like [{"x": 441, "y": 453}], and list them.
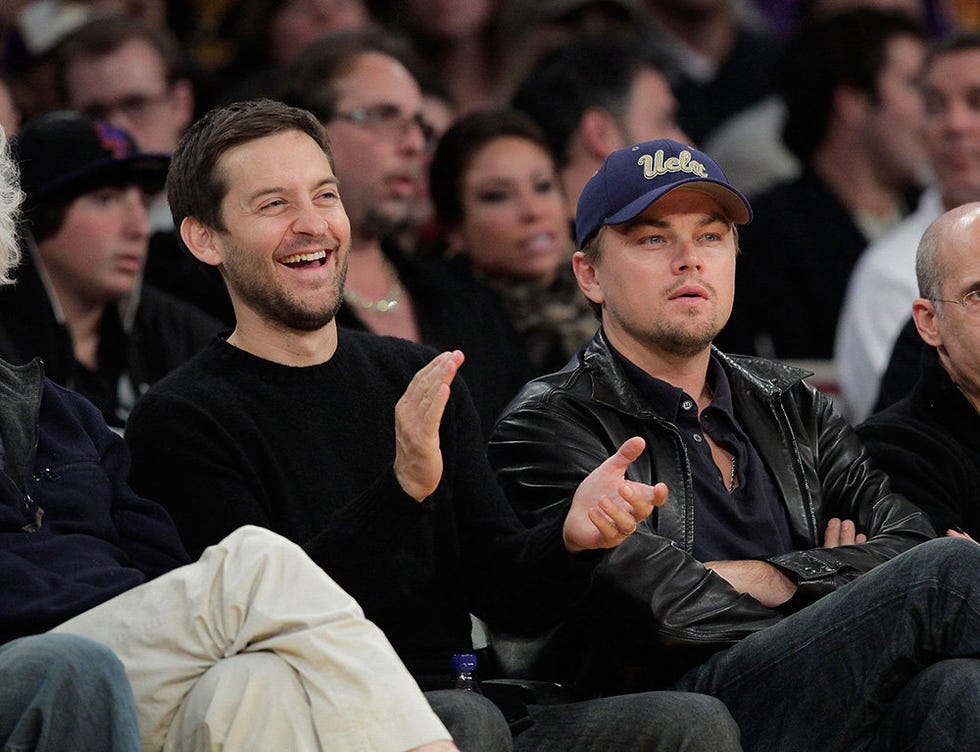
[{"x": 492, "y": 197}]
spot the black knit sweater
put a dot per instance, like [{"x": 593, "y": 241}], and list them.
[{"x": 231, "y": 439}]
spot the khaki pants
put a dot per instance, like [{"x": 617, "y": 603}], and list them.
[{"x": 255, "y": 647}]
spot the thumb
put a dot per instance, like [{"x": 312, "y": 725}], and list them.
[{"x": 627, "y": 453}]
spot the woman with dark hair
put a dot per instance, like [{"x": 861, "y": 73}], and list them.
[{"x": 499, "y": 203}]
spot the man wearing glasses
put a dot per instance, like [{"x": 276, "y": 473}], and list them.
[
  {"x": 929, "y": 443},
  {"x": 361, "y": 88},
  {"x": 129, "y": 73},
  {"x": 125, "y": 71}
]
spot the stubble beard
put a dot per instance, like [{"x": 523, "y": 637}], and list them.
[{"x": 274, "y": 305}]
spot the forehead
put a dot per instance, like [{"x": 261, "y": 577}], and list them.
[
  {"x": 954, "y": 70},
  {"x": 960, "y": 249},
  {"x": 134, "y": 59},
  {"x": 510, "y": 155},
  {"x": 375, "y": 77},
  {"x": 280, "y": 159}
]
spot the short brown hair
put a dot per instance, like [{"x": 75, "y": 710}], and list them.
[
  {"x": 310, "y": 80},
  {"x": 103, "y": 35},
  {"x": 195, "y": 186}
]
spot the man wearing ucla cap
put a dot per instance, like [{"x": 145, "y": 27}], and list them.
[
  {"x": 775, "y": 517},
  {"x": 79, "y": 303}
]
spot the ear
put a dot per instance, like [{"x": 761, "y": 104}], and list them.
[
  {"x": 850, "y": 105},
  {"x": 588, "y": 280},
  {"x": 599, "y": 132},
  {"x": 927, "y": 321},
  {"x": 200, "y": 240},
  {"x": 182, "y": 92}
]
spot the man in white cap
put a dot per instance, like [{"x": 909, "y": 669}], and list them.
[{"x": 738, "y": 586}]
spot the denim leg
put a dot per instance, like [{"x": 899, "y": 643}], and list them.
[
  {"x": 643, "y": 722},
  {"x": 477, "y": 725},
  {"x": 936, "y": 712},
  {"x": 826, "y": 677},
  {"x": 65, "y": 693}
]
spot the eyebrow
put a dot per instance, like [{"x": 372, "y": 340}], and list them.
[{"x": 281, "y": 189}]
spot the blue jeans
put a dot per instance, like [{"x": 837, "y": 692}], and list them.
[
  {"x": 889, "y": 662},
  {"x": 642, "y": 722},
  {"x": 64, "y": 693}
]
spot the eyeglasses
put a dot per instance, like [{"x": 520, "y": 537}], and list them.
[
  {"x": 133, "y": 107},
  {"x": 970, "y": 302},
  {"x": 388, "y": 120}
]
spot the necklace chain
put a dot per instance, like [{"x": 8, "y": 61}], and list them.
[
  {"x": 382, "y": 305},
  {"x": 731, "y": 483}
]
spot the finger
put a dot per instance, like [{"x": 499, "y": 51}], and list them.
[
  {"x": 847, "y": 532},
  {"x": 434, "y": 410},
  {"x": 639, "y": 499},
  {"x": 832, "y": 534},
  {"x": 608, "y": 533},
  {"x": 622, "y": 519},
  {"x": 860, "y": 538},
  {"x": 441, "y": 369},
  {"x": 628, "y": 451}
]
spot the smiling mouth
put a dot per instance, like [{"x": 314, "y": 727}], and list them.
[{"x": 303, "y": 260}]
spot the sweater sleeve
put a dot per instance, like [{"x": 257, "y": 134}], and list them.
[{"x": 521, "y": 578}]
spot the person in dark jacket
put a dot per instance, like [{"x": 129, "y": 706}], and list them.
[
  {"x": 783, "y": 574},
  {"x": 79, "y": 302},
  {"x": 929, "y": 442}
]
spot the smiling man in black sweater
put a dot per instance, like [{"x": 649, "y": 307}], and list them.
[{"x": 364, "y": 450}]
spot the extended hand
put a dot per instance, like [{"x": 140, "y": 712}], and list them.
[
  {"x": 842, "y": 533},
  {"x": 418, "y": 458},
  {"x": 606, "y": 507},
  {"x": 760, "y": 579}
]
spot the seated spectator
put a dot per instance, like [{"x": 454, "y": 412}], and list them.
[
  {"x": 365, "y": 449},
  {"x": 929, "y": 442},
  {"x": 780, "y": 544},
  {"x": 500, "y": 205},
  {"x": 64, "y": 692},
  {"x": 854, "y": 119},
  {"x": 725, "y": 64},
  {"x": 251, "y": 647},
  {"x": 79, "y": 303},
  {"x": 883, "y": 285},
  {"x": 132, "y": 73},
  {"x": 361, "y": 87},
  {"x": 595, "y": 95}
]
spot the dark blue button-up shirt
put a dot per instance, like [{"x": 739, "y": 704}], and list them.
[{"x": 749, "y": 522}]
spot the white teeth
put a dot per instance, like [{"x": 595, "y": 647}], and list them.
[{"x": 297, "y": 258}]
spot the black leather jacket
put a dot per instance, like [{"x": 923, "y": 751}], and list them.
[{"x": 561, "y": 426}]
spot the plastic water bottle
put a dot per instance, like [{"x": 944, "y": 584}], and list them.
[{"x": 464, "y": 672}]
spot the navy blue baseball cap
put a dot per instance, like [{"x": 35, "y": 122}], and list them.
[{"x": 634, "y": 177}]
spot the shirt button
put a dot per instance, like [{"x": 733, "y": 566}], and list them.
[
  {"x": 697, "y": 438},
  {"x": 687, "y": 404}
]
